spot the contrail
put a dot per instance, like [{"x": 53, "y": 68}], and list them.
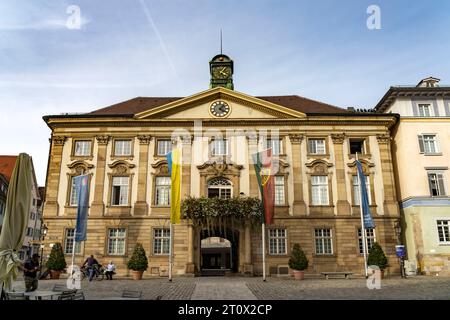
[{"x": 158, "y": 35}]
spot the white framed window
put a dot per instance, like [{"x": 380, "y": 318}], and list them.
[
  {"x": 119, "y": 194},
  {"x": 32, "y": 216},
  {"x": 424, "y": 110},
  {"x": 357, "y": 145},
  {"x": 162, "y": 191},
  {"x": 82, "y": 148},
  {"x": 275, "y": 144},
  {"x": 69, "y": 240},
  {"x": 370, "y": 239},
  {"x": 428, "y": 144},
  {"x": 164, "y": 146},
  {"x": 220, "y": 188},
  {"x": 319, "y": 190},
  {"x": 73, "y": 200},
  {"x": 279, "y": 191},
  {"x": 219, "y": 147},
  {"x": 122, "y": 147},
  {"x": 161, "y": 241},
  {"x": 316, "y": 146},
  {"x": 116, "y": 241},
  {"x": 357, "y": 192},
  {"x": 443, "y": 228},
  {"x": 436, "y": 183},
  {"x": 277, "y": 241},
  {"x": 323, "y": 241}
]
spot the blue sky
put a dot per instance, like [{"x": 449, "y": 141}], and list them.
[{"x": 321, "y": 50}]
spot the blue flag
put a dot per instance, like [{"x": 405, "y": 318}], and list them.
[
  {"x": 82, "y": 188},
  {"x": 367, "y": 217},
  {"x": 169, "y": 162}
]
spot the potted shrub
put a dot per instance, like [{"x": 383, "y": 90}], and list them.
[
  {"x": 56, "y": 262},
  {"x": 298, "y": 262},
  {"x": 377, "y": 257},
  {"x": 138, "y": 262}
]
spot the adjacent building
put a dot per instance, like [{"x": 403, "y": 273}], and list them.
[
  {"x": 31, "y": 243},
  {"x": 123, "y": 147},
  {"x": 421, "y": 151}
]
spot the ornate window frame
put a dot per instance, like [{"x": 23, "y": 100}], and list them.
[
  {"x": 161, "y": 170},
  {"x": 106, "y": 244},
  {"x": 368, "y": 171},
  {"x": 215, "y": 169},
  {"x": 120, "y": 168},
  {"x": 320, "y": 167},
  {"x": 77, "y": 168}
]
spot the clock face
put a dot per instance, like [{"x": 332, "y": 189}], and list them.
[
  {"x": 221, "y": 72},
  {"x": 219, "y": 109}
]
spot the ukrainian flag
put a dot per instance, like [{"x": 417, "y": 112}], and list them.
[{"x": 174, "y": 164}]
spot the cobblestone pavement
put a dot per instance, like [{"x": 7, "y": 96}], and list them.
[
  {"x": 221, "y": 288},
  {"x": 246, "y": 288}
]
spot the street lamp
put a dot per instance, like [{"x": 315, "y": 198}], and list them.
[{"x": 400, "y": 249}]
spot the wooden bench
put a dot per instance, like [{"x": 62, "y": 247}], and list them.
[{"x": 345, "y": 274}]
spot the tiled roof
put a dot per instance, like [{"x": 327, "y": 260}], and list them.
[
  {"x": 7, "y": 164},
  {"x": 136, "y": 105}
]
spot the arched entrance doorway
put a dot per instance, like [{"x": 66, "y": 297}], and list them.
[{"x": 219, "y": 252}]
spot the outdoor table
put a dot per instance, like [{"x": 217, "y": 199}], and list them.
[{"x": 38, "y": 295}]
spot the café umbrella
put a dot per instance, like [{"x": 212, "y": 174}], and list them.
[{"x": 15, "y": 220}]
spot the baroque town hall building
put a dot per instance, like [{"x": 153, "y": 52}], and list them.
[{"x": 122, "y": 147}]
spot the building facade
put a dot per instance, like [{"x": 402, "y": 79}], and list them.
[
  {"x": 31, "y": 242},
  {"x": 123, "y": 148},
  {"x": 422, "y": 158}
]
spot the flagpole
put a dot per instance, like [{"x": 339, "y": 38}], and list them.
[
  {"x": 263, "y": 227},
  {"x": 363, "y": 230},
  {"x": 73, "y": 253},
  {"x": 170, "y": 252}
]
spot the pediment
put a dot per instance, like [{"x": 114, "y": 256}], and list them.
[{"x": 242, "y": 107}]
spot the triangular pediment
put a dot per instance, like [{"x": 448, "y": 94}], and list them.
[{"x": 197, "y": 106}]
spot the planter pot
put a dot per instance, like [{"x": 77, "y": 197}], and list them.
[
  {"x": 55, "y": 274},
  {"x": 299, "y": 275},
  {"x": 137, "y": 275}
]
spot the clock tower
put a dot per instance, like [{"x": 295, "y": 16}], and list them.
[{"x": 221, "y": 69}]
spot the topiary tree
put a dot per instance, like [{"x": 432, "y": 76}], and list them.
[
  {"x": 298, "y": 260},
  {"x": 56, "y": 261},
  {"x": 377, "y": 257},
  {"x": 138, "y": 260}
]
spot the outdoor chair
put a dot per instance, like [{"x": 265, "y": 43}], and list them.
[
  {"x": 131, "y": 294},
  {"x": 67, "y": 295},
  {"x": 79, "y": 296},
  {"x": 16, "y": 296},
  {"x": 59, "y": 288}
]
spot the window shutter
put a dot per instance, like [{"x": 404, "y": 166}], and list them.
[
  {"x": 421, "y": 146},
  {"x": 440, "y": 178}
]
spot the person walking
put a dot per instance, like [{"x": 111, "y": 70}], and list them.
[
  {"x": 92, "y": 263},
  {"x": 110, "y": 270},
  {"x": 30, "y": 270}
]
